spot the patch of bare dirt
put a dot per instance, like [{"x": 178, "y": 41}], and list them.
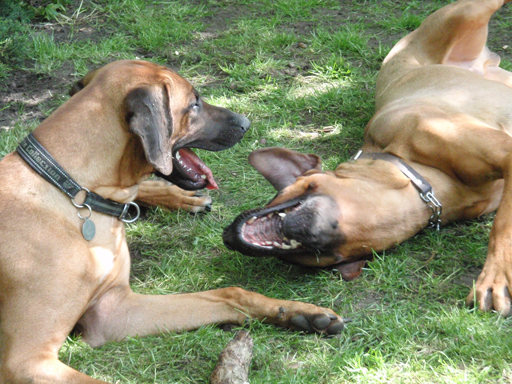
[{"x": 26, "y": 96}]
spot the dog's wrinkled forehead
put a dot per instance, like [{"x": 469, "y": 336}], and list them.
[{"x": 130, "y": 74}]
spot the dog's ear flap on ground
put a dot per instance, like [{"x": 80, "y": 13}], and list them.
[
  {"x": 149, "y": 119},
  {"x": 281, "y": 166},
  {"x": 351, "y": 270}
]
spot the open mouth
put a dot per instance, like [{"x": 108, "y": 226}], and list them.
[
  {"x": 260, "y": 232},
  {"x": 189, "y": 172}
]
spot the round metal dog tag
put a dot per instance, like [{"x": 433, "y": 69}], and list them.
[{"x": 88, "y": 230}]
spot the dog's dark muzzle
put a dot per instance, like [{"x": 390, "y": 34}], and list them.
[{"x": 220, "y": 129}]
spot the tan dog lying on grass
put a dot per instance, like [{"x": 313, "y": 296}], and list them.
[
  {"x": 438, "y": 149},
  {"x": 64, "y": 261}
]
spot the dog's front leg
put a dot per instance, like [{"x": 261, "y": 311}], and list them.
[
  {"x": 160, "y": 193},
  {"x": 493, "y": 288},
  {"x": 121, "y": 313}
]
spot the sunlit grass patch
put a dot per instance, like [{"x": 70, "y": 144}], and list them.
[{"x": 304, "y": 72}]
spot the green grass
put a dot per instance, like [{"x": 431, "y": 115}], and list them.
[{"x": 304, "y": 72}]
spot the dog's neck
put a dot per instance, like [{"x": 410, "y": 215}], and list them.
[
  {"x": 461, "y": 202},
  {"x": 392, "y": 207},
  {"x": 112, "y": 167}
]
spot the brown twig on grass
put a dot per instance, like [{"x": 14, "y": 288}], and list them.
[{"x": 234, "y": 361}]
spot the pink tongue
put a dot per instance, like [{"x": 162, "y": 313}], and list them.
[{"x": 191, "y": 161}]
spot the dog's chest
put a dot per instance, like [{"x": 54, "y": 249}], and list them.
[
  {"x": 109, "y": 253},
  {"x": 104, "y": 262}
]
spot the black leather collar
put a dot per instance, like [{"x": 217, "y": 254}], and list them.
[
  {"x": 45, "y": 165},
  {"x": 422, "y": 185}
]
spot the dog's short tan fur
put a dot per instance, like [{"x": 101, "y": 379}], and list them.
[
  {"x": 52, "y": 280},
  {"x": 445, "y": 107}
]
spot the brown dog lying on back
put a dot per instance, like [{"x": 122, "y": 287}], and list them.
[{"x": 438, "y": 149}]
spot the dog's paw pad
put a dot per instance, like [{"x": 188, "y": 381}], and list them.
[
  {"x": 321, "y": 322},
  {"x": 300, "y": 323},
  {"x": 327, "y": 324},
  {"x": 336, "y": 328}
]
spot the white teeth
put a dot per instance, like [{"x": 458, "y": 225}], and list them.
[
  {"x": 282, "y": 214},
  {"x": 203, "y": 177},
  {"x": 264, "y": 218},
  {"x": 269, "y": 216},
  {"x": 294, "y": 244},
  {"x": 285, "y": 238},
  {"x": 276, "y": 244},
  {"x": 178, "y": 156},
  {"x": 190, "y": 169},
  {"x": 251, "y": 220}
]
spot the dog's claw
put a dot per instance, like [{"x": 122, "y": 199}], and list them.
[
  {"x": 492, "y": 291},
  {"x": 208, "y": 208},
  {"x": 494, "y": 301}
]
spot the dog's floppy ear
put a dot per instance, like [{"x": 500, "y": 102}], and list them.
[
  {"x": 82, "y": 83},
  {"x": 149, "y": 118},
  {"x": 281, "y": 166},
  {"x": 78, "y": 86}
]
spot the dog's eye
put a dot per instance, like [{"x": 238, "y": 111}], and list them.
[{"x": 197, "y": 104}]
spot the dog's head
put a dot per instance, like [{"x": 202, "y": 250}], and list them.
[
  {"x": 324, "y": 219},
  {"x": 168, "y": 116}
]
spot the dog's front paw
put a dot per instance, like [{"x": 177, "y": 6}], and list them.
[
  {"x": 493, "y": 290},
  {"x": 166, "y": 195},
  {"x": 311, "y": 319},
  {"x": 196, "y": 202}
]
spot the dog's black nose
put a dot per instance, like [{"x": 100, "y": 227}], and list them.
[
  {"x": 244, "y": 123},
  {"x": 226, "y": 237}
]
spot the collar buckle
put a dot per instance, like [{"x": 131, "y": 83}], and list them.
[
  {"x": 126, "y": 208},
  {"x": 436, "y": 208}
]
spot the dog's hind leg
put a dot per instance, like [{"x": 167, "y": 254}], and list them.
[
  {"x": 29, "y": 367},
  {"x": 455, "y": 34},
  {"x": 42, "y": 296},
  {"x": 31, "y": 334}
]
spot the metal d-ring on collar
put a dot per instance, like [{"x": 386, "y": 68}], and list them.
[
  {"x": 422, "y": 185},
  {"x": 46, "y": 166}
]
